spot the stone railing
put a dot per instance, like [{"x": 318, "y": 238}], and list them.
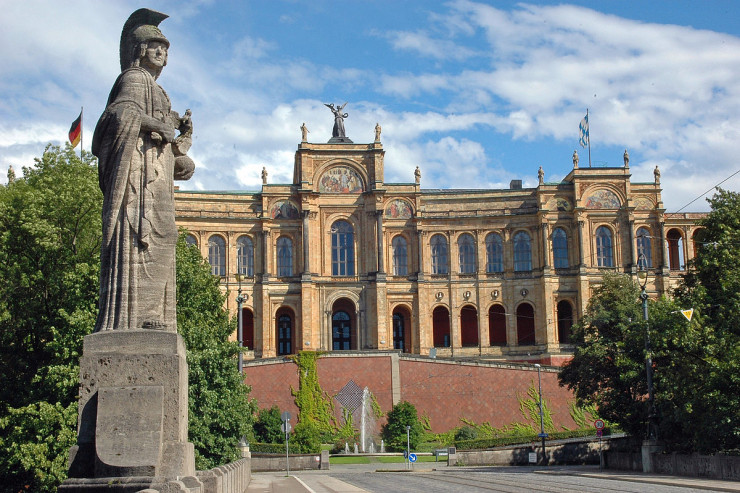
[
  {"x": 724, "y": 467},
  {"x": 230, "y": 478}
]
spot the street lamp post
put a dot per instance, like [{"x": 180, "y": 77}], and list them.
[
  {"x": 408, "y": 447},
  {"x": 239, "y": 322},
  {"x": 642, "y": 276},
  {"x": 542, "y": 419},
  {"x": 651, "y": 444}
]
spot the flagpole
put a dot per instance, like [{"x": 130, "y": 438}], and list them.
[
  {"x": 589, "y": 139},
  {"x": 82, "y": 108}
]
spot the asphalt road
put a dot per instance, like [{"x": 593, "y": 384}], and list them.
[{"x": 489, "y": 479}]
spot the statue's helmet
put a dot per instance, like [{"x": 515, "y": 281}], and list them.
[{"x": 141, "y": 26}]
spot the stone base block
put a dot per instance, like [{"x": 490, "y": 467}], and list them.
[
  {"x": 132, "y": 484},
  {"x": 133, "y": 408}
]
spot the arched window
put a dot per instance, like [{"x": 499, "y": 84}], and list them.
[
  {"x": 285, "y": 335},
  {"x": 217, "y": 255},
  {"x": 245, "y": 256},
  {"x": 469, "y": 326},
  {"x": 699, "y": 238},
  {"x": 247, "y": 328},
  {"x": 675, "y": 249},
  {"x": 565, "y": 321},
  {"x": 522, "y": 252},
  {"x": 191, "y": 240},
  {"x": 284, "y": 257},
  {"x": 398, "y": 332},
  {"x": 560, "y": 249},
  {"x": 644, "y": 250},
  {"x": 525, "y": 325},
  {"x": 439, "y": 254},
  {"x": 494, "y": 253},
  {"x": 441, "y": 327},
  {"x": 497, "y": 325},
  {"x": 342, "y": 249},
  {"x": 341, "y": 331},
  {"x": 466, "y": 248},
  {"x": 604, "y": 249},
  {"x": 400, "y": 257}
]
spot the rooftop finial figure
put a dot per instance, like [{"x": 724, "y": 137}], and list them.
[
  {"x": 11, "y": 175},
  {"x": 541, "y": 175},
  {"x": 417, "y": 175},
  {"x": 575, "y": 159},
  {"x": 377, "y": 132},
  {"x": 139, "y": 156},
  {"x": 338, "y": 130},
  {"x": 264, "y": 175},
  {"x": 304, "y": 132},
  {"x": 656, "y": 174},
  {"x": 626, "y": 159}
]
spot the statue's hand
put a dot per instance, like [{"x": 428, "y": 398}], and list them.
[{"x": 168, "y": 133}]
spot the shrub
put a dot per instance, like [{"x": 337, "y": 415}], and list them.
[{"x": 402, "y": 415}]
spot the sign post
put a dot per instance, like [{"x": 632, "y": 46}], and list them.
[
  {"x": 600, "y": 425},
  {"x": 286, "y": 429}
]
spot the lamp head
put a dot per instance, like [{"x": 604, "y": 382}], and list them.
[{"x": 642, "y": 272}]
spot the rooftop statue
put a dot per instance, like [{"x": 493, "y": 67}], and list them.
[
  {"x": 338, "y": 130},
  {"x": 139, "y": 156}
]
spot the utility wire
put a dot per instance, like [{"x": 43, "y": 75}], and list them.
[{"x": 702, "y": 195}]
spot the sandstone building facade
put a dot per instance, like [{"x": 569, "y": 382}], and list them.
[{"x": 340, "y": 260}]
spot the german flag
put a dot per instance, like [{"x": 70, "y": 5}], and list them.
[{"x": 75, "y": 131}]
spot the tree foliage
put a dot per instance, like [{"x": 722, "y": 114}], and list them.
[
  {"x": 267, "y": 426},
  {"x": 50, "y": 233},
  {"x": 696, "y": 364},
  {"x": 708, "y": 394},
  {"x": 399, "y": 417},
  {"x": 49, "y": 263},
  {"x": 220, "y": 411}
]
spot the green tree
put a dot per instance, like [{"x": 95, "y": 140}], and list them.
[
  {"x": 220, "y": 411},
  {"x": 402, "y": 415},
  {"x": 608, "y": 367},
  {"x": 709, "y": 393},
  {"x": 49, "y": 264},
  {"x": 267, "y": 426}
]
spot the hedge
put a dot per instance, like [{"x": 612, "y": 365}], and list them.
[{"x": 485, "y": 443}]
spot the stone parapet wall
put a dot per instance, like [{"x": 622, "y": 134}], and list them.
[
  {"x": 298, "y": 462},
  {"x": 571, "y": 452},
  {"x": 718, "y": 466},
  {"x": 229, "y": 478}
]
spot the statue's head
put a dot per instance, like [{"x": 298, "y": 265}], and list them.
[{"x": 139, "y": 32}]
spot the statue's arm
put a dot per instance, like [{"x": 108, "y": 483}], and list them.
[{"x": 132, "y": 93}]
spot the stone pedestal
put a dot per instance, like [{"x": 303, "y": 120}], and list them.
[
  {"x": 649, "y": 447},
  {"x": 133, "y": 414}
]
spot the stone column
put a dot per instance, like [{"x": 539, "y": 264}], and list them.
[
  {"x": 545, "y": 246},
  {"x": 633, "y": 244},
  {"x": 381, "y": 263},
  {"x": 664, "y": 247},
  {"x": 420, "y": 256},
  {"x": 581, "y": 242},
  {"x": 306, "y": 267},
  {"x": 266, "y": 254}
]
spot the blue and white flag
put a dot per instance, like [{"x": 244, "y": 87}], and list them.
[{"x": 583, "y": 127}]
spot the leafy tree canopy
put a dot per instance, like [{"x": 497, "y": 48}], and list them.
[
  {"x": 399, "y": 417},
  {"x": 220, "y": 411}
]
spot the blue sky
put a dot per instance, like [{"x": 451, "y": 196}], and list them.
[{"x": 474, "y": 93}]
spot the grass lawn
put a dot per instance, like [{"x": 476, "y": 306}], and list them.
[{"x": 385, "y": 459}]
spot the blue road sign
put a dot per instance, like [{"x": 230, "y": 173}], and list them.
[
  {"x": 542, "y": 435},
  {"x": 412, "y": 457}
]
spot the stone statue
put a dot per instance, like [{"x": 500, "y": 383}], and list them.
[
  {"x": 656, "y": 174},
  {"x": 11, "y": 175},
  {"x": 541, "y": 175},
  {"x": 139, "y": 156},
  {"x": 626, "y": 159},
  {"x": 575, "y": 159},
  {"x": 417, "y": 175},
  {"x": 304, "y": 133},
  {"x": 377, "y": 132},
  {"x": 264, "y": 175},
  {"x": 338, "y": 130}
]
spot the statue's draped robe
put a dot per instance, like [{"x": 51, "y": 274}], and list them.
[{"x": 137, "y": 280}]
